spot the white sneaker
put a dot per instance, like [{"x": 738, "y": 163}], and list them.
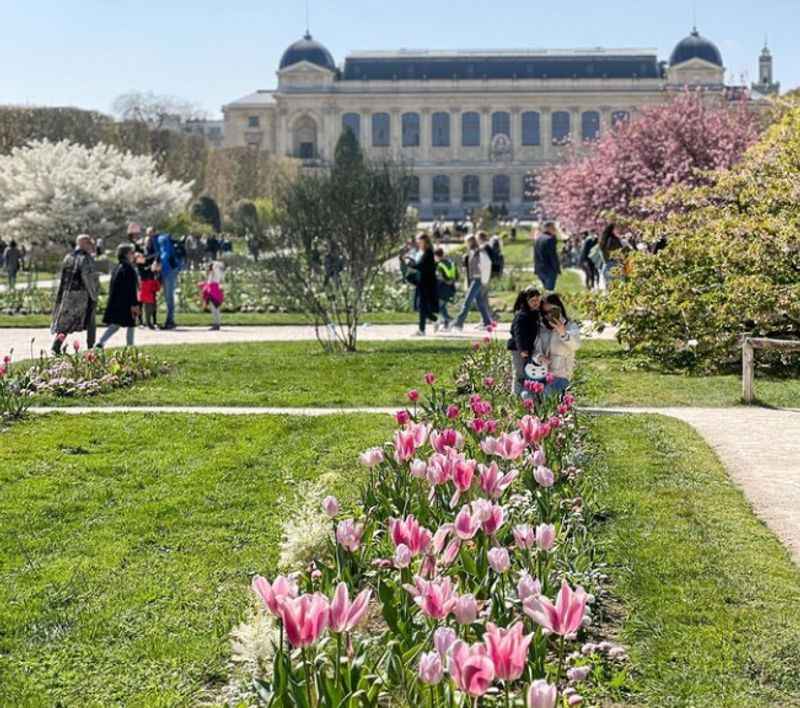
[{"x": 418, "y": 333}]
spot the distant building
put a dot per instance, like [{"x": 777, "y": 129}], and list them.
[
  {"x": 474, "y": 124},
  {"x": 212, "y": 130},
  {"x": 766, "y": 86}
]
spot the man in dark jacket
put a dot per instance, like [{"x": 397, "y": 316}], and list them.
[
  {"x": 123, "y": 301},
  {"x": 76, "y": 299},
  {"x": 545, "y": 256}
]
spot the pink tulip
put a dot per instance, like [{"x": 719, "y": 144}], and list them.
[
  {"x": 435, "y": 599},
  {"x": 272, "y": 594},
  {"x": 330, "y": 505},
  {"x": 545, "y": 536},
  {"x": 491, "y": 427},
  {"x": 562, "y": 618},
  {"x": 402, "y": 556},
  {"x": 402, "y": 417},
  {"x": 440, "y": 537},
  {"x": 446, "y": 441},
  {"x": 76, "y": 345},
  {"x": 428, "y": 567},
  {"x": 482, "y": 509},
  {"x": 345, "y": 616},
  {"x": 530, "y": 428},
  {"x": 508, "y": 650},
  {"x": 542, "y": 694},
  {"x": 61, "y": 337},
  {"x": 466, "y": 526},
  {"x": 404, "y": 445},
  {"x": 466, "y": 609},
  {"x": 410, "y": 533},
  {"x": 524, "y": 536},
  {"x": 443, "y": 640},
  {"x": 305, "y": 618},
  {"x": 476, "y": 345},
  {"x": 430, "y": 668},
  {"x": 471, "y": 668},
  {"x": 544, "y": 476},
  {"x": 549, "y": 378},
  {"x": 413, "y": 395},
  {"x": 495, "y": 520},
  {"x": 510, "y": 447},
  {"x": 418, "y": 469},
  {"x": 453, "y": 411},
  {"x": 430, "y": 378},
  {"x": 478, "y": 425},
  {"x": 488, "y": 382},
  {"x": 489, "y": 445},
  {"x": 528, "y": 404},
  {"x": 493, "y": 484},
  {"x": 499, "y": 560},
  {"x": 348, "y": 534},
  {"x": 579, "y": 673},
  {"x": 538, "y": 457},
  {"x": 419, "y": 432},
  {"x": 575, "y": 699},
  {"x": 462, "y": 477},
  {"x": 372, "y": 457},
  {"x": 451, "y": 552},
  {"x": 528, "y": 587}
]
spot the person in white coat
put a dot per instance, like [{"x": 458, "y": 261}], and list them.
[
  {"x": 558, "y": 340},
  {"x": 478, "y": 266}
]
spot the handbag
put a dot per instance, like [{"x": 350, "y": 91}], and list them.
[{"x": 535, "y": 370}]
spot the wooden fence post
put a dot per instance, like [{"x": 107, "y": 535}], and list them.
[{"x": 747, "y": 371}]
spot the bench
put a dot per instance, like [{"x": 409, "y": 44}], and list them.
[{"x": 749, "y": 345}]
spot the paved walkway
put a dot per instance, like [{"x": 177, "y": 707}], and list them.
[{"x": 22, "y": 283}]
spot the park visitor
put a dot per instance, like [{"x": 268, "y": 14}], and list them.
[
  {"x": 611, "y": 247},
  {"x": 122, "y": 309},
  {"x": 545, "y": 256},
  {"x": 212, "y": 294},
  {"x": 591, "y": 273},
  {"x": 425, "y": 295},
  {"x": 496, "y": 254},
  {"x": 12, "y": 257},
  {"x": 148, "y": 270},
  {"x": 524, "y": 329},
  {"x": 446, "y": 277},
  {"x": 76, "y": 298},
  {"x": 558, "y": 339},
  {"x": 134, "y": 234},
  {"x": 478, "y": 267},
  {"x": 171, "y": 266}
]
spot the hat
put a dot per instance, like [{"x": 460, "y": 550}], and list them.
[{"x": 134, "y": 229}]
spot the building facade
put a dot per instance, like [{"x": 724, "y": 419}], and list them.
[{"x": 474, "y": 125}]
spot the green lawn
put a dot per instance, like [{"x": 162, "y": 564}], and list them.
[
  {"x": 127, "y": 544},
  {"x": 711, "y": 600},
  {"x": 289, "y": 374},
  {"x": 606, "y": 378}
]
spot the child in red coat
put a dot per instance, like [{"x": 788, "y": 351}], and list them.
[{"x": 149, "y": 285}]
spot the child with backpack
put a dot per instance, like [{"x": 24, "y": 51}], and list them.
[{"x": 446, "y": 277}]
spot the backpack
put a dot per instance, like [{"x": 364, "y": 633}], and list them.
[
  {"x": 596, "y": 257},
  {"x": 447, "y": 274},
  {"x": 498, "y": 260}
]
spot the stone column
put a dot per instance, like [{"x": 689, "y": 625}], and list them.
[
  {"x": 605, "y": 119},
  {"x": 456, "y": 195},
  {"x": 365, "y": 139},
  {"x": 330, "y": 121},
  {"x": 425, "y": 134},
  {"x": 284, "y": 139},
  {"x": 396, "y": 140},
  {"x": 455, "y": 132},
  {"x": 486, "y": 130},
  {"x": 516, "y": 128},
  {"x": 425, "y": 193},
  {"x": 575, "y": 125},
  {"x": 546, "y": 130}
]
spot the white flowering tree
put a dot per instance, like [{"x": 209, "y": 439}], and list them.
[{"x": 51, "y": 192}]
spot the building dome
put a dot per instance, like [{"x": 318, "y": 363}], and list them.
[
  {"x": 695, "y": 47},
  {"x": 306, "y": 49}
]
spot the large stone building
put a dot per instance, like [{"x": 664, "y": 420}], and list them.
[{"x": 474, "y": 124}]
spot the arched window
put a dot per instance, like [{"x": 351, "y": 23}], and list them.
[
  {"x": 441, "y": 189},
  {"x": 412, "y": 188},
  {"x": 352, "y": 122},
  {"x": 501, "y": 188},
  {"x": 530, "y": 128},
  {"x": 560, "y": 126},
  {"x": 501, "y": 123},
  {"x": 590, "y": 125},
  {"x": 471, "y": 189},
  {"x": 304, "y": 136},
  {"x": 618, "y": 117},
  {"x": 381, "y": 134},
  {"x": 410, "y": 129},
  {"x": 530, "y": 189},
  {"x": 440, "y": 130},
  {"x": 471, "y": 129}
]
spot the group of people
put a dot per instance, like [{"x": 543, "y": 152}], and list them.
[
  {"x": 435, "y": 277},
  {"x": 146, "y": 264}
]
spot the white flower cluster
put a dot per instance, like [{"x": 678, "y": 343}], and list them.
[{"x": 304, "y": 531}]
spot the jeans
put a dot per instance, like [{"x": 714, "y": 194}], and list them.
[
  {"x": 91, "y": 324},
  {"x": 112, "y": 329},
  {"x": 517, "y": 373},
  {"x": 548, "y": 280},
  {"x": 558, "y": 386},
  {"x": 479, "y": 295},
  {"x": 444, "y": 313},
  {"x": 170, "y": 283},
  {"x": 216, "y": 315},
  {"x": 12, "y": 280}
]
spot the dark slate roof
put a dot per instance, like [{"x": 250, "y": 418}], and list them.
[
  {"x": 695, "y": 47},
  {"x": 307, "y": 49},
  {"x": 580, "y": 66}
]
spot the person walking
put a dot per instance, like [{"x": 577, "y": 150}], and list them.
[
  {"x": 524, "y": 328},
  {"x": 12, "y": 258},
  {"x": 478, "y": 267},
  {"x": 76, "y": 299},
  {"x": 545, "y": 256},
  {"x": 122, "y": 309},
  {"x": 212, "y": 294},
  {"x": 446, "y": 277},
  {"x": 592, "y": 276},
  {"x": 170, "y": 268},
  {"x": 559, "y": 338},
  {"x": 425, "y": 296},
  {"x": 612, "y": 248}
]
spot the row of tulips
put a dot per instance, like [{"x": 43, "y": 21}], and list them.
[{"x": 466, "y": 560}]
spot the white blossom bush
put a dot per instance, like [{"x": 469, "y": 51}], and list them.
[{"x": 51, "y": 192}]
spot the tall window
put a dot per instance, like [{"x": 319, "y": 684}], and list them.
[
  {"x": 530, "y": 128},
  {"x": 471, "y": 129},
  {"x": 501, "y": 123},
  {"x": 501, "y": 188},
  {"x": 352, "y": 122},
  {"x": 440, "y": 133},
  {"x": 380, "y": 130},
  {"x": 560, "y": 126},
  {"x": 441, "y": 189},
  {"x": 530, "y": 189},
  {"x": 410, "y": 129},
  {"x": 619, "y": 117},
  {"x": 471, "y": 189},
  {"x": 253, "y": 122},
  {"x": 590, "y": 125},
  {"x": 412, "y": 188}
]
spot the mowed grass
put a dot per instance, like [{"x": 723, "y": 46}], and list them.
[
  {"x": 710, "y": 597},
  {"x": 288, "y": 374},
  {"x": 605, "y": 377},
  {"x": 127, "y": 544}
]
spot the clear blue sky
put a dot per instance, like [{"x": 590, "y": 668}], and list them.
[{"x": 86, "y": 52}]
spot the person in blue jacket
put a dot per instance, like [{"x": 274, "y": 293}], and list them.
[{"x": 171, "y": 265}]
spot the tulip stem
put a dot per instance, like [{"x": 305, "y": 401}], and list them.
[
  {"x": 308, "y": 677},
  {"x": 338, "y": 658},
  {"x": 560, "y": 659},
  {"x": 505, "y": 685}
]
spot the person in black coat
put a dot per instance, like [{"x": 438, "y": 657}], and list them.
[
  {"x": 545, "y": 256},
  {"x": 123, "y": 297},
  {"x": 524, "y": 329},
  {"x": 426, "y": 296}
]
